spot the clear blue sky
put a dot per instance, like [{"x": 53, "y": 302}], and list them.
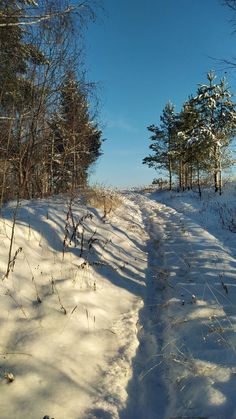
[{"x": 144, "y": 53}]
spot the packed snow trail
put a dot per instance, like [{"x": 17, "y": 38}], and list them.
[
  {"x": 186, "y": 362},
  {"x": 147, "y": 389}
]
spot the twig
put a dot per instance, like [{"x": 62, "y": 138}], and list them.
[
  {"x": 16, "y": 302},
  {"x": 11, "y": 262},
  {"x": 54, "y": 288}
]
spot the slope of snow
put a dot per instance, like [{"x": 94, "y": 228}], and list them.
[
  {"x": 133, "y": 317},
  {"x": 68, "y": 324}
]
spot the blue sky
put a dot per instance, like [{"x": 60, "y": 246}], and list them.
[{"x": 142, "y": 54}]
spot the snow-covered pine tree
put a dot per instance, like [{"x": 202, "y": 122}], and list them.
[
  {"x": 216, "y": 125},
  {"x": 191, "y": 154},
  {"x": 184, "y": 122}
]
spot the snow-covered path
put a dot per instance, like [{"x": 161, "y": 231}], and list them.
[
  {"x": 147, "y": 393},
  {"x": 186, "y": 362},
  {"x": 136, "y": 320}
]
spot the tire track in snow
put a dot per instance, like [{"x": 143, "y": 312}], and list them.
[
  {"x": 185, "y": 362},
  {"x": 147, "y": 389}
]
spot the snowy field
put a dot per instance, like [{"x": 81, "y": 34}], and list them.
[{"x": 128, "y": 315}]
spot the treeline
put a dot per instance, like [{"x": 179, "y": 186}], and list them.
[
  {"x": 194, "y": 143},
  {"x": 48, "y": 135}
]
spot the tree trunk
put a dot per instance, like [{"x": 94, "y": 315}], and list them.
[
  {"x": 180, "y": 174},
  {"x": 191, "y": 177},
  {"x": 220, "y": 174},
  {"x": 6, "y": 162},
  {"x": 198, "y": 181},
  {"x": 170, "y": 175},
  {"x": 216, "y": 170},
  {"x": 186, "y": 177}
]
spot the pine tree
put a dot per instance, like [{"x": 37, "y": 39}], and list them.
[
  {"x": 19, "y": 57},
  {"x": 216, "y": 125},
  {"x": 163, "y": 143},
  {"x": 191, "y": 157},
  {"x": 17, "y": 53},
  {"x": 75, "y": 140},
  {"x": 197, "y": 139}
]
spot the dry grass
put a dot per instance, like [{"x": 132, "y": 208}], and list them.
[{"x": 106, "y": 199}]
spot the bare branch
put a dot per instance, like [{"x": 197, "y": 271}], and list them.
[
  {"x": 38, "y": 19},
  {"x": 230, "y": 3}
]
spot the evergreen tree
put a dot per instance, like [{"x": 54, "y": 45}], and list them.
[
  {"x": 37, "y": 41},
  {"x": 75, "y": 140},
  {"x": 17, "y": 53},
  {"x": 216, "y": 125},
  {"x": 197, "y": 139},
  {"x": 163, "y": 143},
  {"x": 19, "y": 57},
  {"x": 190, "y": 151}
]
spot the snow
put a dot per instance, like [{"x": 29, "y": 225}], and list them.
[
  {"x": 198, "y": 349},
  {"x": 136, "y": 321},
  {"x": 75, "y": 364}
]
